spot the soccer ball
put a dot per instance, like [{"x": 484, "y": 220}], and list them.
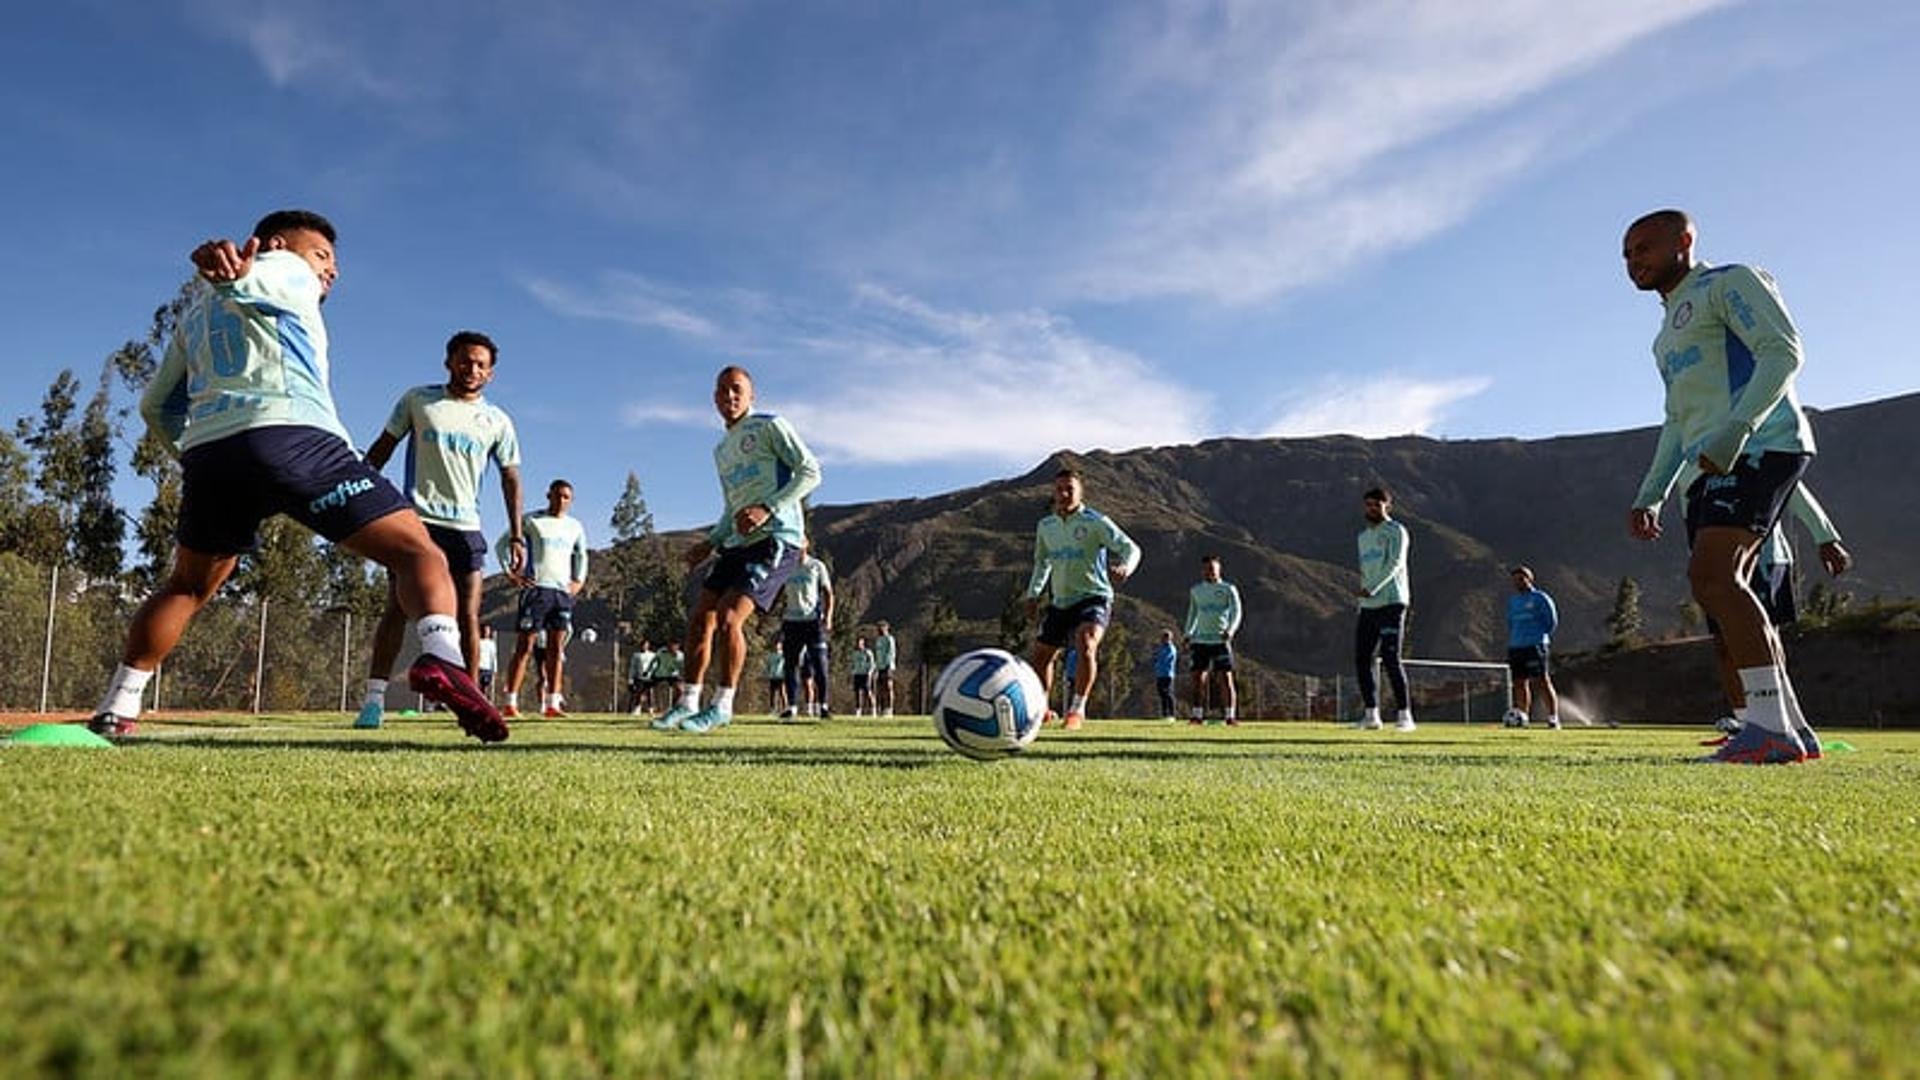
[
  {"x": 1514, "y": 718},
  {"x": 589, "y": 636},
  {"x": 988, "y": 704}
]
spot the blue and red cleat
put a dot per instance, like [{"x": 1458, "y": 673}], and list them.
[
  {"x": 1754, "y": 745},
  {"x": 450, "y": 685}
]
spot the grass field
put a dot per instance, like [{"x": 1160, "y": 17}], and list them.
[{"x": 285, "y": 897}]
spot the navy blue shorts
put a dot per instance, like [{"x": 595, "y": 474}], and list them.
[
  {"x": 1527, "y": 661},
  {"x": 231, "y": 485},
  {"x": 1060, "y": 623},
  {"x": 756, "y": 570},
  {"x": 465, "y": 549},
  {"x": 1750, "y": 497},
  {"x": 802, "y": 634},
  {"x": 1215, "y": 657},
  {"x": 544, "y": 608}
]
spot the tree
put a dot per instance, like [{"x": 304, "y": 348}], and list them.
[
  {"x": 1691, "y": 618},
  {"x": 74, "y": 520},
  {"x": 1117, "y": 663},
  {"x": 638, "y": 576},
  {"x": 135, "y": 362},
  {"x": 1623, "y": 624},
  {"x": 1824, "y": 604}
]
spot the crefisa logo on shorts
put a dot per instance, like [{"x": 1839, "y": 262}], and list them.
[
  {"x": 1683, "y": 314},
  {"x": 344, "y": 490}
]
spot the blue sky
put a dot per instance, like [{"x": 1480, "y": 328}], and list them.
[{"x": 949, "y": 238}]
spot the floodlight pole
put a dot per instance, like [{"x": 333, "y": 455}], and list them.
[
  {"x": 46, "y": 654},
  {"x": 346, "y": 651},
  {"x": 260, "y": 657}
]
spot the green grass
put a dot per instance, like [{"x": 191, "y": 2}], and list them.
[{"x": 291, "y": 898}]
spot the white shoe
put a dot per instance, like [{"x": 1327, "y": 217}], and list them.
[
  {"x": 636, "y": 711},
  {"x": 888, "y": 713},
  {"x": 1553, "y": 723},
  {"x": 1371, "y": 722},
  {"x": 1405, "y": 723}
]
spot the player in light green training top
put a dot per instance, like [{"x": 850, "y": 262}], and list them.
[
  {"x": 765, "y": 470},
  {"x": 242, "y": 397},
  {"x": 556, "y": 571},
  {"x": 1728, "y": 354},
  {"x": 885, "y": 657},
  {"x": 452, "y": 432},
  {"x": 1082, "y": 554},
  {"x": 1213, "y": 617},
  {"x": 1383, "y": 597}
]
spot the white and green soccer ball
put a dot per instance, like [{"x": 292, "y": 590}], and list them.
[
  {"x": 589, "y": 636},
  {"x": 1514, "y": 718}
]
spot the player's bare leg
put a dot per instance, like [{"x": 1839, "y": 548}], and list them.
[
  {"x": 1715, "y": 571},
  {"x": 1086, "y": 639},
  {"x": 425, "y": 593}
]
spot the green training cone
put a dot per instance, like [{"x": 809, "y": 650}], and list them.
[{"x": 57, "y": 735}]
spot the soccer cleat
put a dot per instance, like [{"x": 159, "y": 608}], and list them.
[
  {"x": 670, "y": 720},
  {"x": 554, "y": 712},
  {"x": 707, "y": 719},
  {"x": 1717, "y": 740},
  {"x": 1405, "y": 723},
  {"x": 1809, "y": 742},
  {"x": 1553, "y": 723},
  {"x": 108, "y": 725},
  {"x": 887, "y": 714},
  {"x": 825, "y": 713},
  {"x": 636, "y": 711},
  {"x": 1196, "y": 722},
  {"x": 1754, "y": 745},
  {"x": 511, "y": 712},
  {"x": 789, "y": 713},
  {"x": 1073, "y": 721},
  {"x": 370, "y": 716},
  {"x": 450, "y": 685},
  {"x": 1233, "y": 721}
]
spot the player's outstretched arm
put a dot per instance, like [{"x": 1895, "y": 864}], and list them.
[
  {"x": 515, "y": 557},
  {"x": 381, "y": 451}
]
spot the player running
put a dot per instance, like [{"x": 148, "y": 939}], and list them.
[
  {"x": 1213, "y": 617},
  {"x": 885, "y": 657},
  {"x": 452, "y": 432},
  {"x": 556, "y": 571},
  {"x": 1728, "y": 353},
  {"x": 765, "y": 470},
  {"x": 1383, "y": 597},
  {"x": 804, "y": 629},
  {"x": 1075, "y": 548},
  {"x": 488, "y": 661},
  {"x": 242, "y": 397},
  {"x": 1531, "y": 621}
]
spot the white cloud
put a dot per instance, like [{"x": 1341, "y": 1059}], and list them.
[
  {"x": 895, "y": 380},
  {"x": 637, "y": 413},
  {"x": 626, "y": 298},
  {"x": 1374, "y": 407},
  {"x": 1307, "y": 146}
]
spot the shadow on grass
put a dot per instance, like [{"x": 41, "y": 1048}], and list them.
[{"x": 918, "y": 753}]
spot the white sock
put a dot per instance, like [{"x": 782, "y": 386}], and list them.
[
  {"x": 690, "y": 698},
  {"x": 513, "y": 699},
  {"x": 1740, "y": 714},
  {"x": 723, "y": 700},
  {"x": 1791, "y": 702},
  {"x": 1230, "y": 716},
  {"x": 376, "y": 693},
  {"x": 1553, "y": 719},
  {"x": 1078, "y": 704},
  {"x": 440, "y": 636},
  {"x": 1199, "y": 714},
  {"x": 1373, "y": 713},
  {"x": 123, "y": 693},
  {"x": 1764, "y": 705},
  {"x": 1405, "y": 716}
]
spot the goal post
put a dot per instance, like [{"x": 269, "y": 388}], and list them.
[{"x": 1469, "y": 690}]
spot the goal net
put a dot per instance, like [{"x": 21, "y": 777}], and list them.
[{"x": 1470, "y": 691}]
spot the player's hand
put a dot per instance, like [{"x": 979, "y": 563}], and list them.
[
  {"x": 516, "y": 555},
  {"x": 748, "y": 519},
  {"x": 1643, "y": 524},
  {"x": 698, "y": 553},
  {"x": 1118, "y": 574},
  {"x": 1835, "y": 558},
  {"x": 220, "y": 261},
  {"x": 574, "y": 587}
]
